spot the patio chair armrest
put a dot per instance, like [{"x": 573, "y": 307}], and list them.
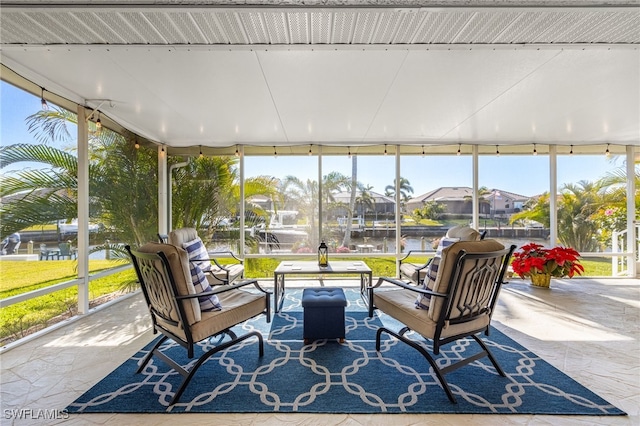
[
  {"x": 218, "y": 264},
  {"x": 410, "y": 287},
  {"x": 227, "y": 253},
  {"x": 214, "y": 260},
  {"x": 224, "y": 288},
  {"x": 414, "y": 252},
  {"x": 421, "y": 267}
]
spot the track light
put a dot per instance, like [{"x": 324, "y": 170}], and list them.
[
  {"x": 310, "y": 152},
  {"x": 607, "y": 153},
  {"x": 162, "y": 150},
  {"x": 459, "y": 146},
  {"x": 275, "y": 153},
  {"x": 349, "y": 151},
  {"x": 423, "y": 150},
  {"x": 43, "y": 101},
  {"x": 136, "y": 145},
  {"x": 497, "y": 150},
  {"x": 535, "y": 151},
  {"x": 237, "y": 152},
  {"x": 571, "y": 152},
  {"x": 201, "y": 155},
  {"x": 385, "y": 149},
  {"x": 98, "y": 122}
]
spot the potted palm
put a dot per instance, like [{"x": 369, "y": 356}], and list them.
[{"x": 541, "y": 264}]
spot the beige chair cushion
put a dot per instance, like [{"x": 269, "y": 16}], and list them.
[
  {"x": 423, "y": 301},
  {"x": 464, "y": 233},
  {"x": 237, "y": 306},
  {"x": 399, "y": 304},
  {"x": 409, "y": 270},
  {"x": 447, "y": 264},
  {"x": 177, "y": 237},
  {"x": 179, "y": 263},
  {"x": 217, "y": 276}
]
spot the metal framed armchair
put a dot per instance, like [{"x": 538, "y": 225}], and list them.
[
  {"x": 218, "y": 272},
  {"x": 175, "y": 307},
  {"x": 66, "y": 250},
  {"x": 416, "y": 272},
  {"x": 462, "y": 300}
]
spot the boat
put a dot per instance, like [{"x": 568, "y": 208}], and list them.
[{"x": 282, "y": 233}]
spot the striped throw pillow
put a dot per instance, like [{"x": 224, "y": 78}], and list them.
[
  {"x": 423, "y": 300},
  {"x": 198, "y": 264}
]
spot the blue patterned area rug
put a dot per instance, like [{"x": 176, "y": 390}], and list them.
[{"x": 351, "y": 377}]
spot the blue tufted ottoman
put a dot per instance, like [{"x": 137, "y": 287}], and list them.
[{"x": 323, "y": 313}]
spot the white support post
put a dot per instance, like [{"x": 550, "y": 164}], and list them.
[
  {"x": 242, "y": 235},
  {"x": 553, "y": 195},
  {"x": 320, "y": 189},
  {"x": 398, "y": 214},
  {"x": 163, "y": 183},
  {"x": 632, "y": 247},
  {"x": 83, "y": 211},
  {"x": 475, "y": 198}
]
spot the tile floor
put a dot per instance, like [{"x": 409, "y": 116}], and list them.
[{"x": 588, "y": 328}]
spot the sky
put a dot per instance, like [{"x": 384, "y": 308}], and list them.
[{"x": 523, "y": 175}]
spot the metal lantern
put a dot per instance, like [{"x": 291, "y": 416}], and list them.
[{"x": 323, "y": 254}]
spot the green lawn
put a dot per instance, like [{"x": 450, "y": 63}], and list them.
[
  {"x": 20, "y": 277},
  {"x": 385, "y": 266}
]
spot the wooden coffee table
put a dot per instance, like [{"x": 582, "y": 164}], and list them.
[{"x": 311, "y": 268}]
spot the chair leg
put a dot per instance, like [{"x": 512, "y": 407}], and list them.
[
  {"x": 208, "y": 354},
  {"x": 150, "y": 354},
  {"x": 490, "y": 356},
  {"x": 436, "y": 370}
]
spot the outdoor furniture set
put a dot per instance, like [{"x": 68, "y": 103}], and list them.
[
  {"x": 63, "y": 250},
  {"x": 189, "y": 302}
]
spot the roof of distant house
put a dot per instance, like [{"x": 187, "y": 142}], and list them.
[
  {"x": 452, "y": 193},
  {"x": 379, "y": 198},
  {"x": 444, "y": 193}
]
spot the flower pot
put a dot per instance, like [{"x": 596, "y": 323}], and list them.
[{"x": 541, "y": 280}]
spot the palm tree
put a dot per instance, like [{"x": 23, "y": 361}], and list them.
[
  {"x": 352, "y": 201},
  {"x": 201, "y": 191},
  {"x": 483, "y": 191},
  {"x": 405, "y": 190},
  {"x": 536, "y": 209},
  {"x": 118, "y": 180},
  {"x": 578, "y": 203},
  {"x": 34, "y": 197},
  {"x": 365, "y": 199},
  {"x": 304, "y": 195}
]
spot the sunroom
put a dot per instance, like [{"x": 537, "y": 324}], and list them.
[{"x": 498, "y": 98}]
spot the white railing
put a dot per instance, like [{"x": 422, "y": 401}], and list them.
[
  {"x": 51, "y": 289},
  {"x": 620, "y": 264},
  {"x": 57, "y": 287}
]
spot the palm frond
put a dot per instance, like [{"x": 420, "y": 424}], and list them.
[
  {"x": 37, "y": 180},
  {"x": 54, "y": 157},
  {"x": 35, "y": 210},
  {"x": 51, "y": 125}
]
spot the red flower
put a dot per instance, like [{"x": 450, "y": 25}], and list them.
[{"x": 535, "y": 259}]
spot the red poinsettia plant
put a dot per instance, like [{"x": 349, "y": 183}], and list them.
[{"x": 558, "y": 262}]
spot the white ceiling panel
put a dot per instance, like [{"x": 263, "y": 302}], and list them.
[
  {"x": 222, "y": 73},
  {"x": 578, "y": 96},
  {"x": 329, "y": 95},
  {"x": 435, "y": 92}
]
